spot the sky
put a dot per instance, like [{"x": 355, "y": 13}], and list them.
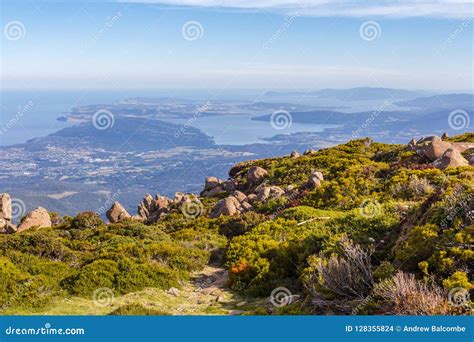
[{"x": 237, "y": 44}]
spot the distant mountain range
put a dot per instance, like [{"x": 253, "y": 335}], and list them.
[
  {"x": 355, "y": 94},
  {"x": 455, "y": 101}
]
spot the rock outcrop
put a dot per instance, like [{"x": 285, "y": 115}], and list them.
[
  {"x": 314, "y": 180},
  {"x": 117, "y": 213},
  {"x": 265, "y": 193},
  {"x": 235, "y": 204},
  {"x": 38, "y": 218},
  {"x": 6, "y": 225},
  {"x": 256, "y": 174},
  {"x": 434, "y": 148},
  {"x": 295, "y": 154},
  {"x": 213, "y": 187},
  {"x": 451, "y": 157},
  {"x": 151, "y": 209}
]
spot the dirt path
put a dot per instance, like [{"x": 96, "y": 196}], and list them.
[{"x": 206, "y": 293}]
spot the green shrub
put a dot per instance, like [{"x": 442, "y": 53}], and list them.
[
  {"x": 136, "y": 310},
  {"x": 236, "y": 226},
  {"x": 86, "y": 219},
  {"x": 96, "y": 275}
]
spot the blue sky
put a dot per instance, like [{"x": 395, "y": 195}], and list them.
[{"x": 277, "y": 44}]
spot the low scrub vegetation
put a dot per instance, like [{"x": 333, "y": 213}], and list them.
[{"x": 384, "y": 233}]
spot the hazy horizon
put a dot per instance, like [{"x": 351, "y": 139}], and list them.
[{"x": 236, "y": 45}]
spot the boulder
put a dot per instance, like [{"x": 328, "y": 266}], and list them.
[
  {"x": 265, "y": 193},
  {"x": 117, "y": 213},
  {"x": 6, "y": 225},
  {"x": 211, "y": 183},
  {"x": 309, "y": 151},
  {"x": 229, "y": 206},
  {"x": 178, "y": 196},
  {"x": 251, "y": 198},
  {"x": 151, "y": 209},
  {"x": 38, "y": 218},
  {"x": 213, "y": 192},
  {"x": 444, "y": 136},
  {"x": 5, "y": 207},
  {"x": 229, "y": 185},
  {"x": 451, "y": 157},
  {"x": 8, "y": 228},
  {"x": 255, "y": 174},
  {"x": 240, "y": 196},
  {"x": 314, "y": 180},
  {"x": 232, "y": 205},
  {"x": 295, "y": 154},
  {"x": 435, "y": 149}
]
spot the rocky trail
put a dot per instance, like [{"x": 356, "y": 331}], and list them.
[{"x": 206, "y": 293}]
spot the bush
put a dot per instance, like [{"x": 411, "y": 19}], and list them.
[
  {"x": 340, "y": 282},
  {"x": 98, "y": 274},
  {"x": 404, "y": 295},
  {"x": 240, "y": 225},
  {"x": 86, "y": 219},
  {"x": 418, "y": 246},
  {"x": 22, "y": 289}
]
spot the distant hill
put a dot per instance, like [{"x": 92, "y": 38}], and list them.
[
  {"x": 126, "y": 134},
  {"x": 355, "y": 94},
  {"x": 455, "y": 101}
]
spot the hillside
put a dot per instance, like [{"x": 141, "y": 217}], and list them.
[{"x": 360, "y": 228}]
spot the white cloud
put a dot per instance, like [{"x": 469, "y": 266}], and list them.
[{"x": 343, "y": 8}]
